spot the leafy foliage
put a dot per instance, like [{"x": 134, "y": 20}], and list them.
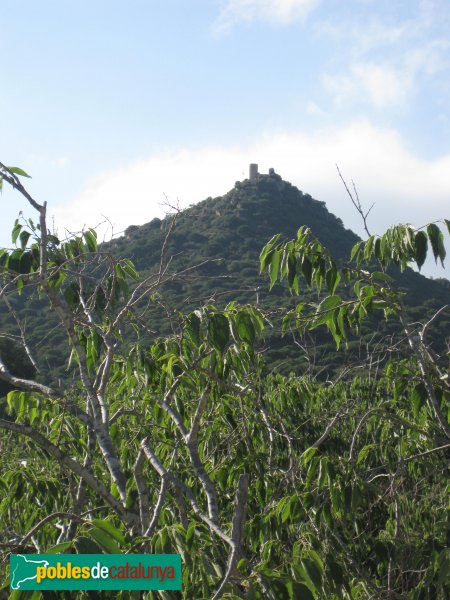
[{"x": 270, "y": 486}]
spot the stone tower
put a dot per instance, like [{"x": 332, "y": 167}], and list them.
[{"x": 253, "y": 171}]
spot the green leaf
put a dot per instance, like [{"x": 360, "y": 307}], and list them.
[
  {"x": 190, "y": 533},
  {"x": 218, "y": 331},
  {"x": 103, "y": 539},
  {"x": 15, "y": 232},
  {"x": 341, "y": 321},
  {"x": 307, "y": 270},
  {"x": 24, "y": 237},
  {"x": 382, "y": 276},
  {"x": 90, "y": 237},
  {"x": 19, "y": 285},
  {"x": 377, "y": 248},
  {"x": 285, "y": 323},
  {"x": 292, "y": 273},
  {"x": 286, "y": 512},
  {"x": 418, "y": 397},
  {"x": 109, "y": 528},
  {"x": 245, "y": 328},
  {"x": 192, "y": 328},
  {"x": 85, "y": 545},
  {"x": 420, "y": 247},
  {"x": 313, "y": 576},
  {"x": 129, "y": 268},
  {"x": 274, "y": 267},
  {"x": 332, "y": 279},
  {"x": 317, "y": 560},
  {"x": 368, "y": 249},
  {"x": 441, "y": 248},
  {"x": 356, "y": 249},
  {"x": 324, "y": 312},
  {"x": 434, "y": 233},
  {"x": 59, "y": 548},
  {"x": 307, "y": 455},
  {"x": 299, "y": 591},
  {"x": 364, "y": 452},
  {"x": 18, "y": 171},
  {"x": 120, "y": 273},
  {"x": 266, "y": 253}
]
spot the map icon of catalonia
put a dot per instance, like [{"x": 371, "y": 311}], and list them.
[{"x": 24, "y": 569}]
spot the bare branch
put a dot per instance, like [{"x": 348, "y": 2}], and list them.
[
  {"x": 356, "y": 202},
  {"x": 416, "y": 345},
  {"x": 15, "y": 182},
  {"x": 436, "y": 315},
  {"x": 158, "y": 506},
  {"x": 25, "y": 384},
  {"x": 47, "y": 519},
  {"x": 237, "y": 532},
  {"x": 124, "y": 411},
  {"x": 192, "y": 443},
  {"x": 161, "y": 470},
  {"x": 142, "y": 488},
  {"x": 22, "y": 333},
  {"x": 81, "y": 491},
  {"x": 329, "y": 427},
  {"x": 30, "y": 385}
]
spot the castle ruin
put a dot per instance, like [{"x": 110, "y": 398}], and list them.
[{"x": 253, "y": 171}]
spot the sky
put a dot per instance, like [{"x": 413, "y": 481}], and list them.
[{"x": 119, "y": 110}]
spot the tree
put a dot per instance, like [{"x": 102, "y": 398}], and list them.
[{"x": 269, "y": 487}]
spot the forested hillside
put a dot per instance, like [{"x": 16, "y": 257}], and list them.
[
  {"x": 217, "y": 243},
  {"x": 175, "y": 431}
]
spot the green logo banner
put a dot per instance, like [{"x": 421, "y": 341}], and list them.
[{"x": 95, "y": 572}]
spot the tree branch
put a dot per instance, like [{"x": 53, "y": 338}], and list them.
[
  {"x": 237, "y": 532},
  {"x": 161, "y": 470}
]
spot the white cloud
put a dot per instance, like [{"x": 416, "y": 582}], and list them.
[
  {"x": 429, "y": 59},
  {"x": 390, "y": 83},
  {"x": 281, "y": 12},
  {"x": 373, "y": 29},
  {"x": 404, "y": 187},
  {"x": 384, "y": 61},
  {"x": 365, "y": 37},
  {"x": 381, "y": 85}
]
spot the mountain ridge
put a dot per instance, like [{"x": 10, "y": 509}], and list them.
[
  {"x": 224, "y": 236},
  {"x": 231, "y": 230},
  {"x": 274, "y": 205}
]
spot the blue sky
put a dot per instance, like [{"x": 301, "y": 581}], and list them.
[{"x": 118, "y": 108}]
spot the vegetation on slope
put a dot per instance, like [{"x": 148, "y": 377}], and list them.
[
  {"x": 270, "y": 487},
  {"x": 222, "y": 239}
]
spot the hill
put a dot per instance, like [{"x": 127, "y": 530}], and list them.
[{"x": 223, "y": 236}]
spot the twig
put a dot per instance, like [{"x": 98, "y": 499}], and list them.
[
  {"x": 356, "y": 202},
  {"x": 237, "y": 532},
  {"x": 161, "y": 470},
  {"x": 142, "y": 488},
  {"x": 47, "y": 519},
  {"x": 22, "y": 334},
  {"x": 158, "y": 506},
  {"x": 329, "y": 427}
]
